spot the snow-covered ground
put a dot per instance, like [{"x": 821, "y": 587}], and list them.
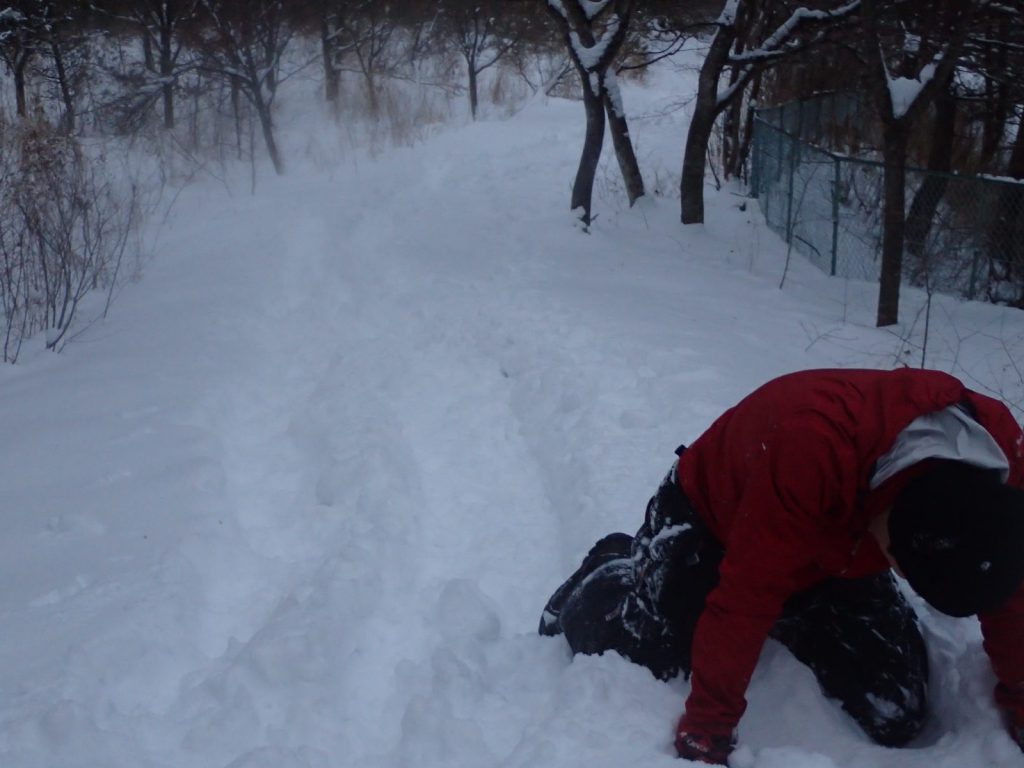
[{"x": 298, "y": 502}]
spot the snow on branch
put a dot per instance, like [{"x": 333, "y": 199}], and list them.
[
  {"x": 594, "y": 8},
  {"x": 727, "y": 17},
  {"x": 776, "y": 44},
  {"x": 557, "y": 6},
  {"x": 904, "y": 91},
  {"x": 591, "y": 57},
  {"x": 611, "y": 87},
  {"x": 11, "y": 16}
]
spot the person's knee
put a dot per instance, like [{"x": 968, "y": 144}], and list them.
[{"x": 612, "y": 546}]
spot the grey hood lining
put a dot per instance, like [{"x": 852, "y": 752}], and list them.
[{"x": 947, "y": 434}]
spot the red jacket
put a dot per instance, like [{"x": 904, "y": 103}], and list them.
[{"x": 783, "y": 481}]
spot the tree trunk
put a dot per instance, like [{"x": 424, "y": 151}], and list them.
[
  {"x": 929, "y": 194},
  {"x": 147, "y": 50},
  {"x": 332, "y": 78},
  {"x": 619, "y": 129},
  {"x": 895, "y": 136},
  {"x": 1006, "y": 238},
  {"x": 583, "y": 187},
  {"x": 65, "y": 86},
  {"x": 702, "y": 123},
  {"x": 731, "y": 127},
  {"x": 267, "y": 124},
  {"x": 20, "y": 64},
  {"x": 578, "y": 30},
  {"x": 748, "y": 128},
  {"x": 371, "y": 93},
  {"x": 997, "y": 104},
  {"x": 473, "y": 96},
  {"x": 167, "y": 75},
  {"x": 694, "y": 157},
  {"x": 236, "y": 109},
  {"x": 894, "y": 213}
]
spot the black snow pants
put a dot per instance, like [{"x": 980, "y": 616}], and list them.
[{"x": 642, "y": 595}]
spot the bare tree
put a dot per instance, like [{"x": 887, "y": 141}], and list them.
[
  {"x": 910, "y": 59},
  {"x": 329, "y": 36},
  {"x": 797, "y": 30},
  {"x": 161, "y": 24},
  {"x": 64, "y": 232},
  {"x": 483, "y": 32},
  {"x": 23, "y": 33},
  {"x": 365, "y": 31},
  {"x": 245, "y": 43},
  {"x": 593, "y": 49}
]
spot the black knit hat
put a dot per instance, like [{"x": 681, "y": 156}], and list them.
[{"x": 957, "y": 533}]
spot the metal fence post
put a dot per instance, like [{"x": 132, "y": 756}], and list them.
[
  {"x": 978, "y": 229},
  {"x": 836, "y": 180},
  {"x": 794, "y": 152},
  {"x": 789, "y": 190},
  {"x": 755, "y": 165},
  {"x": 973, "y": 284},
  {"x": 780, "y": 129}
]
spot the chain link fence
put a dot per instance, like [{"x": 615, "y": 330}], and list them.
[{"x": 964, "y": 234}]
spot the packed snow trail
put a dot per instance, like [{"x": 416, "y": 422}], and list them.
[{"x": 299, "y": 501}]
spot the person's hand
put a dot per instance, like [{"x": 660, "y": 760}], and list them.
[
  {"x": 1018, "y": 736},
  {"x": 703, "y": 747},
  {"x": 1017, "y": 733},
  {"x": 1010, "y": 699}
]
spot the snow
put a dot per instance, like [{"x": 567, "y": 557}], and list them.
[
  {"x": 594, "y": 8},
  {"x": 903, "y": 91},
  {"x": 729, "y": 12},
  {"x": 299, "y": 501},
  {"x": 611, "y": 86}
]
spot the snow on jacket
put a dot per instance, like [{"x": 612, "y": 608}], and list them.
[{"x": 785, "y": 481}]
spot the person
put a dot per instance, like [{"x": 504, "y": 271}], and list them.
[{"x": 786, "y": 518}]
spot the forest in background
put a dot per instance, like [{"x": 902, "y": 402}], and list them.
[{"x": 195, "y": 84}]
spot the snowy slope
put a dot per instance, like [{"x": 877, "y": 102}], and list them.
[{"x": 298, "y": 502}]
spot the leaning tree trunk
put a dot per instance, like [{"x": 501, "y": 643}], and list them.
[
  {"x": 596, "y": 79},
  {"x": 732, "y": 122},
  {"x": 706, "y": 108},
  {"x": 583, "y": 187},
  {"x": 894, "y": 217},
  {"x": 748, "y": 128},
  {"x": 619, "y": 129},
  {"x": 691, "y": 185},
  {"x": 929, "y": 194},
  {"x": 267, "y": 124}
]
